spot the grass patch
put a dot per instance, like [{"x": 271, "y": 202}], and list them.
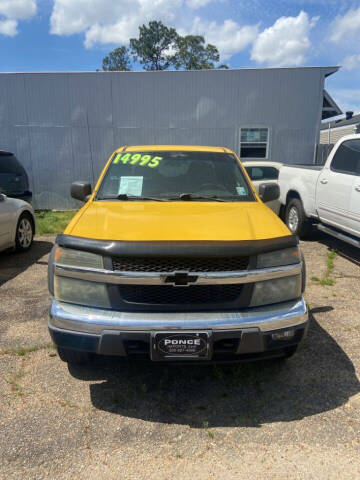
[
  {"x": 22, "y": 351},
  {"x": 205, "y": 426},
  {"x": 52, "y": 222},
  {"x": 13, "y": 381},
  {"x": 67, "y": 403},
  {"x": 327, "y": 280}
]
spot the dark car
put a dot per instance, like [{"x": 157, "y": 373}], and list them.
[{"x": 14, "y": 181}]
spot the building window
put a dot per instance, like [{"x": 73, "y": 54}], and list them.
[{"x": 254, "y": 143}]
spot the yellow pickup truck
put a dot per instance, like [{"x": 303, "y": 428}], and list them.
[{"x": 175, "y": 257}]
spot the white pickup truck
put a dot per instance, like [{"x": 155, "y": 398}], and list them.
[{"x": 327, "y": 195}]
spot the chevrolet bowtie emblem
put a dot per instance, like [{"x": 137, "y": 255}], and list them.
[{"x": 181, "y": 279}]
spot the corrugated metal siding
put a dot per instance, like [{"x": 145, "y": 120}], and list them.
[{"x": 63, "y": 126}]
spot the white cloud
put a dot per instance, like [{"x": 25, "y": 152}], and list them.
[
  {"x": 344, "y": 28},
  {"x": 8, "y": 28},
  {"x": 348, "y": 99},
  {"x": 13, "y": 11},
  {"x": 106, "y": 21},
  {"x": 229, "y": 37},
  {"x": 351, "y": 62},
  {"x": 18, "y": 9},
  {"x": 195, "y": 4},
  {"x": 285, "y": 43}
]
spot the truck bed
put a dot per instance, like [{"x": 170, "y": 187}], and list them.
[{"x": 300, "y": 180}]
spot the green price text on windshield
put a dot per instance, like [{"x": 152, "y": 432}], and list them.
[{"x": 137, "y": 158}]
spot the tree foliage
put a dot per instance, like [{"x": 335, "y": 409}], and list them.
[
  {"x": 117, "y": 60},
  {"x": 193, "y": 54},
  {"x": 159, "y": 47},
  {"x": 153, "y": 46}
]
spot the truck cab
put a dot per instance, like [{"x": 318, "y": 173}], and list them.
[
  {"x": 338, "y": 187},
  {"x": 175, "y": 257},
  {"x": 328, "y": 196}
]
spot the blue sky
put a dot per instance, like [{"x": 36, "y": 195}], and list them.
[{"x": 67, "y": 35}]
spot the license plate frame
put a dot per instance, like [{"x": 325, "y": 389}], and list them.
[{"x": 161, "y": 351}]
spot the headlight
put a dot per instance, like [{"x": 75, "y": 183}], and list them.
[
  {"x": 81, "y": 292},
  {"x": 77, "y": 258},
  {"x": 287, "y": 256},
  {"x": 276, "y": 290}
]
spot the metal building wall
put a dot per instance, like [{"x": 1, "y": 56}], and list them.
[{"x": 64, "y": 126}]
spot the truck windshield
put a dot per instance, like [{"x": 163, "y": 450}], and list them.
[{"x": 175, "y": 175}]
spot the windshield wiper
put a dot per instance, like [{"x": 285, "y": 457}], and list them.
[
  {"x": 188, "y": 197},
  {"x": 125, "y": 196}
]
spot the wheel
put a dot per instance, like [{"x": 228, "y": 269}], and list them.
[
  {"x": 24, "y": 232},
  {"x": 73, "y": 357},
  {"x": 296, "y": 219}
]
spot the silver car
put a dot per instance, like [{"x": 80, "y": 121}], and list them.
[{"x": 17, "y": 224}]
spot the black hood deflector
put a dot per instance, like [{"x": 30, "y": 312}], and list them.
[{"x": 177, "y": 248}]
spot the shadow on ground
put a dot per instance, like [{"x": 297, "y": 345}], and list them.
[
  {"x": 343, "y": 249},
  {"x": 319, "y": 378},
  {"x": 14, "y": 263}
]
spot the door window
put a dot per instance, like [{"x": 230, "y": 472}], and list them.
[
  {"x": 262, "y": 173},
  {"x": 347, "y": 158}
]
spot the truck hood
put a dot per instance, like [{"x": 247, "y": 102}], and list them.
[{"x": 176, "y": 221}]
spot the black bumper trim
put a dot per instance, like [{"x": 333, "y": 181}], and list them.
[{"x": 230, "y": 345}]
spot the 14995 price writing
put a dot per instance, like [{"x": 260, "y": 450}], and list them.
[{"x": 137, "y": 158}]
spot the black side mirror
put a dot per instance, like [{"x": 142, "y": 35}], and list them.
[
  {"x": 81, "y": 191},
  {"x": 3, "y": 197},
  {"x": 269, "y": 192}
]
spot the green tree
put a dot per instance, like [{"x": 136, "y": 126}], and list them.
[
  {"x": 152, "y": 47},
  {"x": 193, "y": 54},
  {"x": 117, "y": 60}
]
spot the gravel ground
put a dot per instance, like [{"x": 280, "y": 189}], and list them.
[{"x": 299, "y": 419}]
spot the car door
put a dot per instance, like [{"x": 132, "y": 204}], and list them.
[
  {"x": 355, "y": 197},
  {"x": 264, "y": 174},
  {"x": 336, "y": 184},
  {"x": 6, "y": 221}
]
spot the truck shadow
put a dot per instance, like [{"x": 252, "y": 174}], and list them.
[
  {"x": 14, "y": 263},
  {"x": 319, "y": 378},
  {"x": 343, "y": 249}
]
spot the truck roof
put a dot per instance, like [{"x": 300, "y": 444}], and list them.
[{"x": 192, "y": 148}]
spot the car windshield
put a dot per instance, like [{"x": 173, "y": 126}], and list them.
[{"x": 175, "y": 175}]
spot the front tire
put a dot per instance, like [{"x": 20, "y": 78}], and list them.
[
  {"x": 24, "y": 232},
  {"x": 74, "y": 357},
  {"x": 295, "y": 218}
]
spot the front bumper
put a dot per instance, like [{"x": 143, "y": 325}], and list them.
[{"x": 236, "y": 335}]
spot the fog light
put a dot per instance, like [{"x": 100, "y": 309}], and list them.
[{"x": 286, "y": 335}]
